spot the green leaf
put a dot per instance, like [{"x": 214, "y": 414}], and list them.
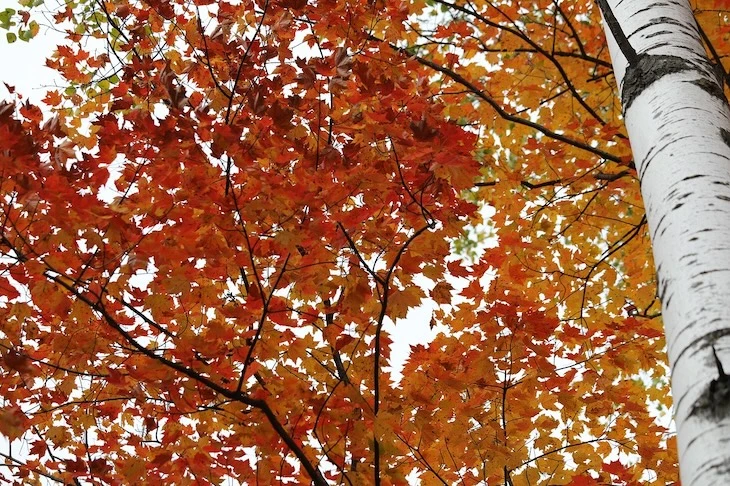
[
  {"x": 11, "y": 37},
  {"x": 5, "y": 18},
  {"x": 98, "y": 17}
]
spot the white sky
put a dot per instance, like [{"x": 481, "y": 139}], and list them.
[{"x": 23, "y": 63}]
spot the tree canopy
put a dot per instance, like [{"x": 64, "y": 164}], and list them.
[{"x": 206, "y": 234}]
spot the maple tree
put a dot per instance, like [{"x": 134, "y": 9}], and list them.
[{"x": 203, "y": 243}]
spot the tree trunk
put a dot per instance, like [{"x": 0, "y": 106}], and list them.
[{"x": 678, "y": 122}]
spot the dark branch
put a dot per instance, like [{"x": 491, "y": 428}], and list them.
[
  {"x": 618, "y": 34},
  {"x": 496, "y": 107}
]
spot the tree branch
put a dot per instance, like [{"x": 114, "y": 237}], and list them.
[{"x": 618, "y": 34}]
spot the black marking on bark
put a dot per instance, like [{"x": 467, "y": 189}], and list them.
[
  {"x": 714, "y": 403},
  {"x": 710, "y": 87},
  {"x": 662, "y": 287},
  {"x": 658, "y": 33},
  {"x": 648, "y": 70},
  {"x": 709, "y": 272},
  {"x": 725, "y": 136},
  {"x": 660, "y": 224},
  {"x": 670, "y": 21},
  {"x": 690, "y": 259}
]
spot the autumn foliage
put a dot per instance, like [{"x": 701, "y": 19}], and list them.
[{"x": 208, "y": 235}]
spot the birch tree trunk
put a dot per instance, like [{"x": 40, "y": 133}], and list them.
[{"x": 678, "y": 122}]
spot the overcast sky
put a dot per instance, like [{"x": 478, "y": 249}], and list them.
[{"x": 23, "y": 63}]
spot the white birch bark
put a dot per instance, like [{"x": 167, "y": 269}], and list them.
[{"x": 678, "y": 123}]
